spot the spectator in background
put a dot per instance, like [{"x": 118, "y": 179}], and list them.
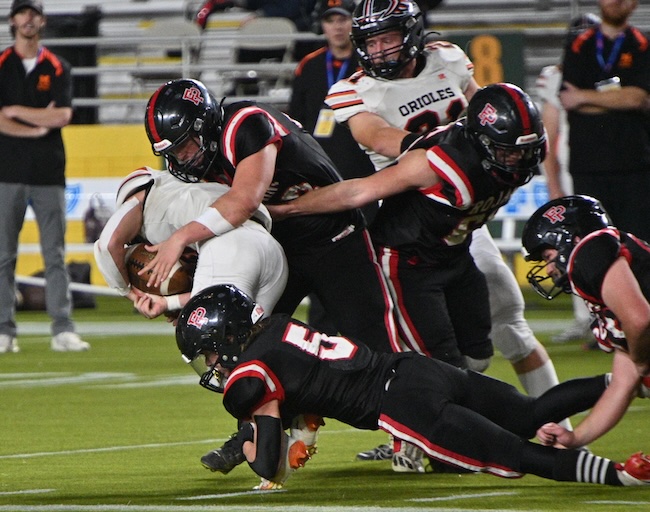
[
  {"x": 298, "y": 11},
  {"x": 606, "y": 81},
  {"x": 35, "y": 103},
  {"x": 556, "y": 163},
  {"x": 315, "y": 74}
]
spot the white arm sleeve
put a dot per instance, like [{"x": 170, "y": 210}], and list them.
[{"x": 105, "y": 262}]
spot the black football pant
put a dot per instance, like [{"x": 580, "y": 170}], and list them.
[
  {"x": 346, "y": 278},
  {"x": 475, "y": 422}
]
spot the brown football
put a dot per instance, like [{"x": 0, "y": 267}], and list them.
[{"x": 179, "y": 280}]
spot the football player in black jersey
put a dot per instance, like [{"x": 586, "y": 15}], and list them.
[
  {"x": 449, "y": 183},
  {"x": 581, "y": 252},
  {"x": 278, "y": 367},
  {"x": 267, "y": 158}
]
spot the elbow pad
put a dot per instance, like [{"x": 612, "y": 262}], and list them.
[{"x": 268, "y": 446}]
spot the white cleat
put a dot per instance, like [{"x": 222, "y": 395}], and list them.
[{"x": 408, "y": 459}]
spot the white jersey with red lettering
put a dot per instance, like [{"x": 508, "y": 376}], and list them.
[{"x": 434, "y": 97}]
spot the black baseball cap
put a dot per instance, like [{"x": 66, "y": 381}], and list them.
[
  {"x": 17, "y": 5},
  {"x": 344, "y": 7}
]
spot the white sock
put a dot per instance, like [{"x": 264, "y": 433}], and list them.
[{"x": 539, "y": 380}]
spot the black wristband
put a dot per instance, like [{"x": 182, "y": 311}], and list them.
[{"x": 407, "y": 141}]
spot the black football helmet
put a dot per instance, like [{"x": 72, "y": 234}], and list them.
[
  {"x": 556, "y": 225},
  {"x": 178, "y": 110},
  {"x": 217, "y": 319},
  {"x": 374, "y": 17},
  {"x": 502, "y": 120}
]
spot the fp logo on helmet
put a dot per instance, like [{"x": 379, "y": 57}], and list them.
[
  {"x": 488, "y": 115},
  {"x": 197, "y": 317},
  {"x": 555, "y": 214},
  {"x": 194, "y": 95}
]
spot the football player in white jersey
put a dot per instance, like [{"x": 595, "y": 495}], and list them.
[
  {"x": 150, "y": 204},
  {"x": 405, "y": 89}
]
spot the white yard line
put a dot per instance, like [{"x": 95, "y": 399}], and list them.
[
  {"x": 220, "y": 508},
  {"x": 452, "y": 497},
  {"x": 143, "y": 446}
]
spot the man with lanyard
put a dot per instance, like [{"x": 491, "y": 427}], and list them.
[{"x": 606, "y": 81}]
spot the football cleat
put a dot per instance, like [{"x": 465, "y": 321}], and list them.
[
  {"x": 267, "y": 485},
  {"x": 636, "y": 470},
  {"x": 226, "y": 458},
  {"x": 381, "y": 452},
  {"x": 408, "y": 459}
]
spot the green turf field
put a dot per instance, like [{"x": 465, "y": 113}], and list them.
[{"x": 122, "y": 428}]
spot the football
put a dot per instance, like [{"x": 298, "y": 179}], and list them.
[{"x": 179, "y": 280}]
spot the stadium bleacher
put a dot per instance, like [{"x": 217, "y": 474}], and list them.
[{"x": 130, "y": 45}]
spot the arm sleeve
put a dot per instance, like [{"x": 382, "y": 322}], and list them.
[
  {"x": 268, "y": 446},
  {"x": 105, "y": 262}
]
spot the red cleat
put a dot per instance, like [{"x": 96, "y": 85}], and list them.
[{"x": 636, "y": 470}]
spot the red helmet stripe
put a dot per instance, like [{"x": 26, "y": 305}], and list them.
[
  {"x": 522, "y": 108},
  {"x": 151, "y": 122}
]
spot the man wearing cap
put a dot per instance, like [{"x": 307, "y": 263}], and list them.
[
  {"x": 35, "y": 103},
  {"x": 314, "y": 75}
]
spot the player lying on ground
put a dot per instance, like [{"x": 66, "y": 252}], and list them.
[{"x": 279, "y": 367}]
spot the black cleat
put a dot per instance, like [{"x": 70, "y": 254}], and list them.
[
  {"x": 226, "y": 458},
  {"x": 381, "y": 452}
]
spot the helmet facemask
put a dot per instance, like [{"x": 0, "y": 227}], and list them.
[
  {"x": 373, "y": 18},
  {"x": 538, "y": 276},
  {"x": 512, "y": 164},
  {"x": 211, "y": 379},
  {"x": 559, "y": 224},
  {"x": 195, "y": 168},
  {"x": 388, "y": 63}
]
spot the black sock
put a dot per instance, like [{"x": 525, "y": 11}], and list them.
[{"x": 568, "y": 465}]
